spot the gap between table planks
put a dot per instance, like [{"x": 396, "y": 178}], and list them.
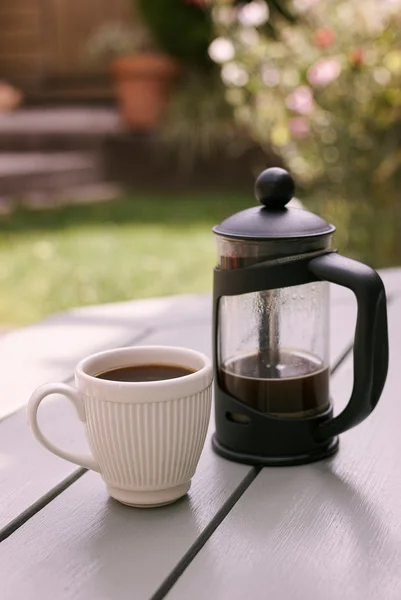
[{"x": 84, "y": 545}]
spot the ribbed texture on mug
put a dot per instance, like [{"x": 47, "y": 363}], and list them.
[{"x": 151, "y": 445}]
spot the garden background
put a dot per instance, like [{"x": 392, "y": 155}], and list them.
[{"x": 311, "y": 85}]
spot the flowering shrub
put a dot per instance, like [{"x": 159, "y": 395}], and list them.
[{"x": 326, "y": 94}]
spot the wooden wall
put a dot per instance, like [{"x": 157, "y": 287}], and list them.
[
  {"x": 42, "y": 44},
  {"x": 21, "y": 52}
]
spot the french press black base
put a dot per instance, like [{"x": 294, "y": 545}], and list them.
[{"x": 270, "y": 326}]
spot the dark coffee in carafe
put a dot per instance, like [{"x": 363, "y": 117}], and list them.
[{"x": 298, "y": 386}]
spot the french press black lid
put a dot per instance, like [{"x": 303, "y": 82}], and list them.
[{"x": 271, "y": 332}]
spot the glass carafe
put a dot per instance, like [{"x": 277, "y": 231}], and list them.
[{"x": 273, "y": 345}]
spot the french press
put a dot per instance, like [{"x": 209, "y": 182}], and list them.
[{"x": 271, "y": 332}]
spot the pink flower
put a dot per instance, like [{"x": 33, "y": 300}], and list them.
[
  {"x": 324, "y": 71},
  {"x": 301, "y": 100},
  {"x": 299, "y": 127},
  {"x": 324, "y": 38}
]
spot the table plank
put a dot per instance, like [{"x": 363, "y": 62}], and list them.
[
  {"x": 328, "y": 530},
  {"x": 82, "y": 532}
]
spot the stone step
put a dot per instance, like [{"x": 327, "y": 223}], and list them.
[
  {"x": 27, "y": 172},
  {"x": 57, "y": 128},
  {"x": 47, "y": 199}
]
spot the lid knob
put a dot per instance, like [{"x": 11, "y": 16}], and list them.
[{"x": 274, "y": 188}]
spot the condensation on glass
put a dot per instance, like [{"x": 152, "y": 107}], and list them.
[{"x": 273, "y": 346}]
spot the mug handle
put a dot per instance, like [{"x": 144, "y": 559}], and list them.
[
  {"x": 371, "y": 338},
  {"x": 83, "y": 460}
]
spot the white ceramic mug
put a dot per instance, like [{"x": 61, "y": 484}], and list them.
[{"x": 146, "y": 437}]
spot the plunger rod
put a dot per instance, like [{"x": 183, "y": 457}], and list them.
[{"x": 269, "y": 351}]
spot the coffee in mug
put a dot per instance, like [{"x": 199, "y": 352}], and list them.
[{"x": 145, "y": 373}]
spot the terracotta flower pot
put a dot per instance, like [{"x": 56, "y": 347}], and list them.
[
  {"x": 10, "y": 97},
  {"x": 143, "y": 84}
]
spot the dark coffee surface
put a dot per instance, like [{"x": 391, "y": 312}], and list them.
[
  {"x": 297, "y": 387},
  {"x": 145, "y": 373}
]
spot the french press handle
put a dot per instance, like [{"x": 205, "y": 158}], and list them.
[{"x": 371, "y": 338}]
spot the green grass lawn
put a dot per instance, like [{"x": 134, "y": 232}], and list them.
[
  {"x": 135, "y": 247},
  {"x": 142, "y": 246}
]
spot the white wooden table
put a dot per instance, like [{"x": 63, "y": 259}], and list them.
[{"x": 326, "y": 531}]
